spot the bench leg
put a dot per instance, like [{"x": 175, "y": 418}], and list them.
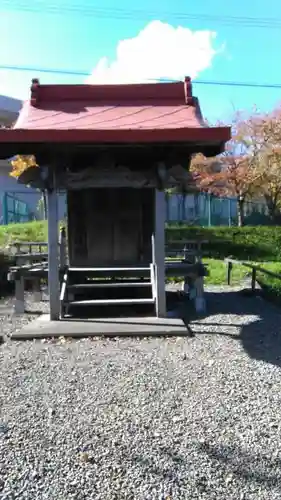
[
  {"x": 19, "y": 299},
  {"x": 200, "y": 302},
  {"x": 185, "y": 285},
  {"x": 188, "y": 327},
  {"x": 37, "y": 294}
]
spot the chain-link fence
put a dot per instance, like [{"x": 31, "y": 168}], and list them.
[
  {"x": 206, "y": 210},
  {"x": 15, "y": 210},
  {"x": 197, "y": 209},
  {"x": 27, "y": 205}
]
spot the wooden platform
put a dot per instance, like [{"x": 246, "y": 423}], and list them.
[{"x": 43, "y": 328}]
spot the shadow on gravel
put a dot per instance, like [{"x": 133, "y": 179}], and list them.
[
  {"x": 252, "y": 468},
  {"x": 261, "y": 338}
]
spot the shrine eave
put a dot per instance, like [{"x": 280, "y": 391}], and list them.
[{"x": 31, "y": 141}]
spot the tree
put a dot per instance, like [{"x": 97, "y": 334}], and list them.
[
  {"x": 21, "y": 163},
  {"x": 233, "y": 173},
  {"x": 266, "y": 140},
  {"x": 185, "y": 186}
]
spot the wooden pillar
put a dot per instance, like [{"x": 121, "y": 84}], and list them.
[
  {"x": 53, "y": 255},
  {"x": 158, "y": 251},
  {"x": 62, "y": 246}
]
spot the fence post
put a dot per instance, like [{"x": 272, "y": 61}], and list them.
[
  {"x": 209, "y": 209},
  {"x": 229, "y": 212},
  {"x": 228, "y": 272},
  {"x": 254, "y": 279},
  {"x": 5, "y": 208}
]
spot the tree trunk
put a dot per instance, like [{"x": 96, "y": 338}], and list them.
[
  {"x": 273, "y": 211},
  {"x": 240, "y": 211}
]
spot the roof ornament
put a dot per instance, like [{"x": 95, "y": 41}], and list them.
[
  {"x": 188, "y": 90},
  {"x": 34, "y": 89}
]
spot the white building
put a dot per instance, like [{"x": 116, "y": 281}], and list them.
[
  {"x": 17, "y": 202},
  {"x": 9, "y": 109}
]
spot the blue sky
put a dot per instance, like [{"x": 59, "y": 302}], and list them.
[{"x": 76, "y": 35}]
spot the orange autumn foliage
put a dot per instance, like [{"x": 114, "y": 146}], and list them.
[{"x": 21, "y": 163}]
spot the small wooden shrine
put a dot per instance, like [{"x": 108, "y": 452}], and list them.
[{"x": 114, "y": 149}]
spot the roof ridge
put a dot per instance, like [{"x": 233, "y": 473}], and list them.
[{"x": 176, "y": 92}]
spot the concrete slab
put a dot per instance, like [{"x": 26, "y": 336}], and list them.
[
  {"x": 42, "y": 328},
  {"x": 6, "y": 310}
]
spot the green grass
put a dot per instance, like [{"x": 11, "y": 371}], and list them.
[
  {"x": 29, "y": 231},
  {"x": 217, "y": 275},
  {"x": 273, "y": 285},
  {"x": 217, "y": 272}
]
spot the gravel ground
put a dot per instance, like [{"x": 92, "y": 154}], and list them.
[{"x": 158, "y": 419}]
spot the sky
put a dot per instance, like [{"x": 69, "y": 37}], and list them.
[{"x": 103, "y": 43}]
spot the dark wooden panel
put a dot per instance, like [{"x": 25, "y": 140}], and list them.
[
  {"x": 109, "y": 226},
  {"x": 148, "y": 196},
  {"x": 126, "y": 225},
  {"x": 77, "y": 227},
  {"x": 100, "y": 225}
]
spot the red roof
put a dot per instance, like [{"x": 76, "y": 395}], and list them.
[{"x": 156, "y": 112}]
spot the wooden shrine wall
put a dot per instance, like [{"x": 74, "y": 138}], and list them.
[{"x": 109, "y": 226}]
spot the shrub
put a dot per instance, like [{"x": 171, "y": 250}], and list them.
[
  {"x": 29, "y": 231},
  {"x": 256, "y": 243},
  {"x": 271, "y": 287}
]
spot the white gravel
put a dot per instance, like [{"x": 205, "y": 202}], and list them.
[{"x": 158, "y": 419}]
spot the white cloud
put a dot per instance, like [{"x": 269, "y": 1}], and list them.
[
  {"x": 11, "y": 84},
  {"x": 158, "y": 51}
]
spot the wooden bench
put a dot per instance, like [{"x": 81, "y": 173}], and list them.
[
  {"x": 31, "y": 264},
  {"x": 190, "y": 250}
]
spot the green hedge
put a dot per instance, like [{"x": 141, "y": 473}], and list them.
[
  {"x": 28, "y": 231},
  {"x": 256, "y": 243}
]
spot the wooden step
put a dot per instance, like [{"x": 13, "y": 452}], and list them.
[
  {"x": 109, "y": 302},
  {"x": 106, "y": 269},
  {"x": 109, "y": 284},
  {"x": 110, "y": 272}
]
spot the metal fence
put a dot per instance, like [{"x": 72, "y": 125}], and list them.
[
  {"x": 26, "y": 205},
  {"x": 15, "y": 210},
  {"x": 206, "y": 210},
  {"x": 196, "y": 209}
]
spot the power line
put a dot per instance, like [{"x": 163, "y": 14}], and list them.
[
  {"x": 71, "y": 72},
  {"x": 38, "y": 6},
  {"x": 45, "y": 70}
]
